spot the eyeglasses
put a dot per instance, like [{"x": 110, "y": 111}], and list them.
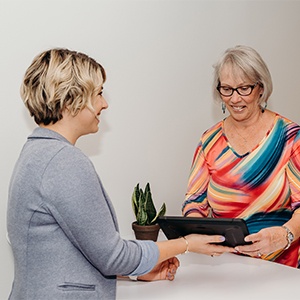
[{"x": 245, "y": 90}]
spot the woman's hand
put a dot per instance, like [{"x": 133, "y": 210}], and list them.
[
  {"x": 264, "y": 242},
  {"x": 207, "y": 244},
  {"x": 163, "y": 271}
]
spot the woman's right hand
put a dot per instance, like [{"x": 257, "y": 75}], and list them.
[
  {"x": 207, "y": 244},
  {"x": 198, "y": 243}
]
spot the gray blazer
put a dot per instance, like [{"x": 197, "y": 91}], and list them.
[{"x": 62, "y": 226}]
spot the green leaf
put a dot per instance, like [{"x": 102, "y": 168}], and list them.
[
  {"x": 149, "y": 205},
  {"x": 135, "y": 199},
  {"x": 162, "y": 210},
  {"x": 143, "y": 206},
  {"x": 160, "y": 213},
  {"x": 147, "y": 188},
  {"x": 142, "y": 217}
]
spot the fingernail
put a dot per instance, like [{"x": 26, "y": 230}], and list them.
[{"x": 222, "y": 238}]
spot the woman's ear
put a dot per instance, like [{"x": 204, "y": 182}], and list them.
[{"x": 261, "y": 91}]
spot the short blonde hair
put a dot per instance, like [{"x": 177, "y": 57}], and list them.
[
  {"x": 57, "y": 79},
  {"x": 246, "y": 61}
]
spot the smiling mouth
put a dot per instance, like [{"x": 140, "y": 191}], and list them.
[{"x": 238, "y": 108}]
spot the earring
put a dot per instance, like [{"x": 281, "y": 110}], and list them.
[
  {"x": 223, "y": 107},
  {"x": 263, "y": 108}
]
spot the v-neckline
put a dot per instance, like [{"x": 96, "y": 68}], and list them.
[{"x": 253, "y": 148}]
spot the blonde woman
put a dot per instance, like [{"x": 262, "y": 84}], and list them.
[{"x": 61, "y": 223}]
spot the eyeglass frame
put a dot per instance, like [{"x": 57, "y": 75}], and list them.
[{"x": 236, "y": 89}]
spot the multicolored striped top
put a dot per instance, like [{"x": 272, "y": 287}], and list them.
[{"x": 261, "y": 186}]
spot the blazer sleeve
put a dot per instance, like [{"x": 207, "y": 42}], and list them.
[{"x": 75, "y": 197}]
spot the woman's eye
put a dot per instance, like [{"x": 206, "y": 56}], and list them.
[{"x": 244, "y": 88}]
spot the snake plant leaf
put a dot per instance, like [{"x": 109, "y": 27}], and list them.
[
  {"x": 160, "y": 213},
  {"x": 135, "y": 199},
  {"x": 149, "y": 205},
  {"x": 142, "y": 216},
  {"x": 147, "y": 188},
  {"x": 143, "y": 206}
]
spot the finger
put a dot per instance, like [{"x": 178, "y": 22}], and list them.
[
  {"x": 174, "y": 269},
  {"x": 221, "y": 249},
  {"x": 252, "y": 253},
  {"x": 255, "y": 237},
  {"x": 170, "y": 276},
  {"x": 215, "y": 238},
  {"x": 175, "y": 261},
  {"x": 249, "y": 248}
]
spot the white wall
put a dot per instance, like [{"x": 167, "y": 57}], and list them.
[{"x": 158, "y": 56}]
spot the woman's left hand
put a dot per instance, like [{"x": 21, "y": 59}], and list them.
[
  {"x": 264, "y": 242},
  {"x": 163, "y": 271}
]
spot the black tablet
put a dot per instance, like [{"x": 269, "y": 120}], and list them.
[{"x": 234, "y": 230}]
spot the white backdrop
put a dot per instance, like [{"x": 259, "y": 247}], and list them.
[{"x": 158, "y": 56}]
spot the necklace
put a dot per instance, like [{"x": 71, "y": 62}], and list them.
[
  {"x": 251, "y": 130},
  {"x": 237, "y": 131}
]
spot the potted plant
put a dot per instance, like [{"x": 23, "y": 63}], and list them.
[{"x": 145, "y": 227}]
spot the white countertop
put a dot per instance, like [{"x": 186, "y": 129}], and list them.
[{"x": 228, "y": 276}]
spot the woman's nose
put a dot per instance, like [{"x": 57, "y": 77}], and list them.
[
  {"x": 235, "y": 97},
  {"x": 105, "y": 104}
]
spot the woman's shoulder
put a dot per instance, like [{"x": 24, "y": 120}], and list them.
[
  {"x": 213, "y": 130},
  {"x": 69, "y": 154},
  {"x": 290, "y": 128},
  {"x": 285, "y": 120},
  {"x": 287, "y": 123},
  {"x": 53, "y": 150}
]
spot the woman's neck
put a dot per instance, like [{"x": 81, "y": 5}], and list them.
[
  {"x": 252, "y": 122},
  {"x": 63, "y": 130}
]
